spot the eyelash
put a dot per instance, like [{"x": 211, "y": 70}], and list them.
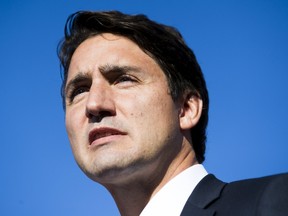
[
  {"x": 125, "y": 78},
  {"x": 77, "y": 91}
]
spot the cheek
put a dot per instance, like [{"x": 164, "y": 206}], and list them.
[
  {"x": 73, "y": 129},
  {"x": 72, "y": 126},
  {"x": 155, "y": 114},
  {"x": 69, "y": 124}
]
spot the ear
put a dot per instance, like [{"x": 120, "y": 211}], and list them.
[{"x": 190, "y": 112}]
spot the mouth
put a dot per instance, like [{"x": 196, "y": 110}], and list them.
[{"x": 103, "y": 135}]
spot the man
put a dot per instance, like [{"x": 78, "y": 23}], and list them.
[{"x": 136, "y": 108}]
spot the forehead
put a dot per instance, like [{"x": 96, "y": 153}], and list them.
[{"x": 108, "y": 49}]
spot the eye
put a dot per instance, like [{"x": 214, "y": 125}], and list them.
[
  {"x": 78, "y": 91},
  {"x": 125, "y": 78}
]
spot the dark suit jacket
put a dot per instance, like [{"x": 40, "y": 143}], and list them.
[{"x": 266, "y": 196}]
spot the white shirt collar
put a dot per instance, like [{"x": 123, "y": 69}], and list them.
[{"x": 170, "y": 200}]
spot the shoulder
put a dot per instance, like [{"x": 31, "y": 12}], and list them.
[
  {"x": 262, "y": 182},
  {"x": 260, "y": 186},
  {"x": 266, "y": 195}
]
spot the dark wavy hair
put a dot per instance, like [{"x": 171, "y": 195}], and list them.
[{"x": 162, "y": 43}]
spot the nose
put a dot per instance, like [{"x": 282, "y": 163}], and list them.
[{"x": 100, "y": 103}]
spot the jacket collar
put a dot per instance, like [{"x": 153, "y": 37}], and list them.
[{"x": 207, "y": 191}]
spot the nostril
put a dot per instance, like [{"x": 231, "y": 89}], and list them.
[{"x": 97, "y": 117}]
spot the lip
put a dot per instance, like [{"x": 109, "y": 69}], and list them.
[{"x": 102, "y": 135}]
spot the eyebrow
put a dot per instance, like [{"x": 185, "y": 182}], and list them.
[
  {"x": 116, "y": 69},
  {"x": 106, "y": 70}
]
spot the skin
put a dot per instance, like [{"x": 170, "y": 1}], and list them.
[{"x": 140, "y": 135}]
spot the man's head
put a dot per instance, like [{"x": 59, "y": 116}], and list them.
[{"x": 163, "y": 49}]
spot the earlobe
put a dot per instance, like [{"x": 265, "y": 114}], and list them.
[{"x": 190, "y": 112}]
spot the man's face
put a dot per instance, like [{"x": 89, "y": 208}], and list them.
[{"x": 121, "y": 120}]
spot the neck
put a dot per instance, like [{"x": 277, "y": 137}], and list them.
[{"x": 132, "y": 196}]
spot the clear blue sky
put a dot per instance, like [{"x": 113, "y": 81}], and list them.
[{"x": 242, "y": 46}]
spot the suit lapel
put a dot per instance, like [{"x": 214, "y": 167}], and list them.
[
  {"x": 196, "y": 211},
  {"x": 208, "y": 190}
]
